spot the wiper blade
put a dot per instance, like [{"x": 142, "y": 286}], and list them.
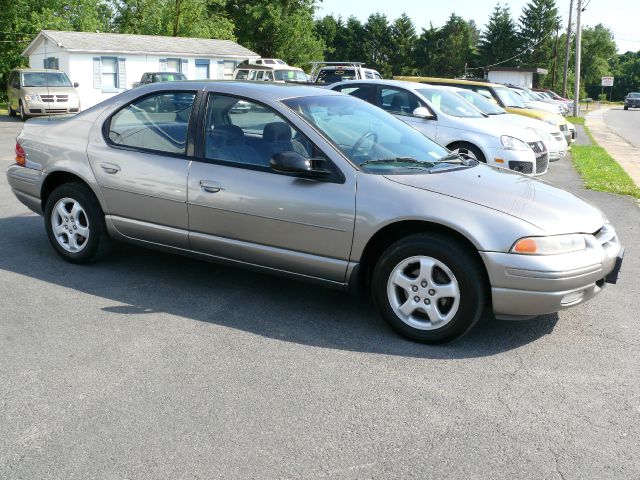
[{"x": 397, "y": 160}]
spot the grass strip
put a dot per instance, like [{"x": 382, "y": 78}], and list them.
[
  {"x": 3, "y": 111},
  {"x": 575, "y": 120},
  {"x": 601, "y": 172}
]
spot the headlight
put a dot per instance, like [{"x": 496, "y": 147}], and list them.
[
  {"x": 549, "y": 245},
  {"x": 512, "y": 143},
  {"x": 32, "y": 97}
]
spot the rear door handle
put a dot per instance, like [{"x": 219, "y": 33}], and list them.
[
  {"x": 210, "y": 187},
  {"x": 110, "y": 167}
]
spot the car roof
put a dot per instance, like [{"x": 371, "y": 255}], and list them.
[
  {"x": 452, "y": 81},
  {"x": 265, "y": 91},
  {"x": 392, "y": 83}
]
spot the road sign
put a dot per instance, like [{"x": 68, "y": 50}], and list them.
[{"x": 607, "y": 82}]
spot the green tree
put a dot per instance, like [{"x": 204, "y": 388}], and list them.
[
  {"x": 273, "y": 28},
  {"x": 403, "y": 45},
  {"x": 499, "y": 41},
  {"x": 429, "y": 51},
  {"x": 539, "y": 23},
  {"x": 598, "y": 48},
  {"x": 377, "y": 43},
  {"x": 458, "y": 46}
]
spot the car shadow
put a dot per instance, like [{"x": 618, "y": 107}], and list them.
[
  {"x": 8, "y": 119},
  {"x": 145, "y": 282}
]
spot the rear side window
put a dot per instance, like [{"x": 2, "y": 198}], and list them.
[
  {"x": 363, "y": 92},
  {"x": 158, "y": 122}
]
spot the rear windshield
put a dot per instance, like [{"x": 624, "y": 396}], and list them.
[
  {"x": 334, "y": 75},
  {"x": 45, "y": 79},
  {"x": 290, "y": 75},
  {"x": 168, "y": 77}
]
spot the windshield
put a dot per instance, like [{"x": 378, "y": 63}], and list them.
[
  {"x": 369, "y": 136},
  {"x": 449, "y": 103},
  {"x": 524, "y": 94},
  {"x": 45, "y": 79},
  {"x": 168, "y": 77},
  {"x": 634, "y": 95},
  {"x": 509, "y": 98},
  {"x": 481, "y": 103},
  {"x": 336, "y": 75},
  {"x": 290, "y": 75}
]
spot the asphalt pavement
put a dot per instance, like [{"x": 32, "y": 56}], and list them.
[
  {"x": 153, "y": 366},
  {"x": 625, "y": 123}
]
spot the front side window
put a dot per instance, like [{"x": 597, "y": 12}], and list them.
[
  {"x": 109, "y": 72},
  {"x": 449, "y": 103},
  {"x": 368, "y": 136},
  {"x": 248, "y": 133},
  {"x": 157, "y": 122},
  {"x": 396, "y": 100}
]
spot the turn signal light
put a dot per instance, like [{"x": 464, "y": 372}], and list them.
[
  {"x": 526, "y": 245},
  {"x": 21, "y": 157}
]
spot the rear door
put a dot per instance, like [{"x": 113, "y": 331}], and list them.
[
  {"x": 141, "y": 163},
  {"x": 240, "y": 209}
]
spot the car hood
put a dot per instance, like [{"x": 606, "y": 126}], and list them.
[
  {"x": 493, "y": 127},
  {"x": 551, "y": 209}
]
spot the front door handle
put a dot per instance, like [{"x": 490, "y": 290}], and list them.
[
  {"x": 110, "y": 167},
  {"x": 210, "y": 187}
]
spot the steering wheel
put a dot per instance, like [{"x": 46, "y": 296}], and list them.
[{"x": 363, "y": 138}]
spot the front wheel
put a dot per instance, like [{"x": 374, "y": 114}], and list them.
[
  {"x": 75, "y": 224},
  {"x": 12, "y": 112},
  {"x": 23, "y": 116},
  {"x": 429, "y": 288},
  {"x": 468, "y": 151}
]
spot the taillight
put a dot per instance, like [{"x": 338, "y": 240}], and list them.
[{"x": 21, "y": 157}]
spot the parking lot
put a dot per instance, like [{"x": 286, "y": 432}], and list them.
[{"x": 149, "y": 365}]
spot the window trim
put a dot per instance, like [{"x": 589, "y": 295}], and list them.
[
  {"x": 200, "y": 142},
  {"x": 189, "y": 151}
]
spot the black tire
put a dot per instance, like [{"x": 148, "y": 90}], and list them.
[
  {"x": 12, "y": 112},
  {"x": 98, "y": 243},
  {"x": 23, "y": 116},
  {"x": 464, "y": 265},
  {"x": 471, "y": 148},
  {"x": 626, "y": 108}
]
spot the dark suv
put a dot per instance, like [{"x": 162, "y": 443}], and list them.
[{"x": 632, "y": 100}]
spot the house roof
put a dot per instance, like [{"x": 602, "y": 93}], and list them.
[{"x": 125, "y": 43}]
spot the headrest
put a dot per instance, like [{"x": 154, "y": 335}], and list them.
[
  {"x": 397, "y": 102},
  {"x": 276, "y": 132},
  {"x": 227, "y": 134}
]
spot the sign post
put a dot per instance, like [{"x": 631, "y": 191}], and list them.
[{"x": 607, "y": 82}]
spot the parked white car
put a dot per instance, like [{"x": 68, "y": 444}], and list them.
[
  {"x": 551, "y": 136},
  {"x": 531, "y": 101},
  {"x": 449, "y": 120}
]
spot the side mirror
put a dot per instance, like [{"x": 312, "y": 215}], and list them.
[
  {"x": 76, "y": 84},
  {"x": 422, "y": 112},
  {"x": 294, "y": 164}
]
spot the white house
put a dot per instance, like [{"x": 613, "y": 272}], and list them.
[
  {"x": 522, "y": 77},
  {"x": 105, "y": 64}
]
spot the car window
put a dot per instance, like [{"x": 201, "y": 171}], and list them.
[
  {"x": 333, "y": 75},
  {"x": 396, "y": 100},
  {"x": 242, "y": 74},
  {"x": 156, "y": 122},
  {"x": 248, "y": 133},
  {"x": 363, "y": 92},
  {"x": 365, "y": 134},
  {"x": 489, "y": 107},
  {"x": 377, "y": 76},
  {"x": 509, "y": 98},
  {"x": 449, "y": 103},
  {"x": 368, "y": 75}
]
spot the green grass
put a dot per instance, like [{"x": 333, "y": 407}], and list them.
[
  {"x": 575, "y": 120},
  {"x": 3, "y": 111},
  {"x": 601, "y": 172}
]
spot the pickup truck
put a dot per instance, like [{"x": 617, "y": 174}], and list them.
[
  {"x": 332, "y": 72},
  {"x": 154, "y": 77}
]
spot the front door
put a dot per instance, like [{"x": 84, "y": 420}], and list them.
[
  {"x": 142, "y": 166},
  {"x": 240, "y": 209},
  {"x": 402, "y": 103}
]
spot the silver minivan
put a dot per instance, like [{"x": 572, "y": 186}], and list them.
[{"x": 33, "y": 92}]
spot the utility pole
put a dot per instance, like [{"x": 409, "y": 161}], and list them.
[
  {"x": 566, "y": 52},
  {"x": 576, "y": 91}
]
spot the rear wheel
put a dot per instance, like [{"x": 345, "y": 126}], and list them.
[
  {"x": 75, "y": 224},
  {"x": 469, "y": 151},
  {"x": 429, "y": 288}
]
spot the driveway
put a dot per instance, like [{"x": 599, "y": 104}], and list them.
[
  {"x": 153, "y": 366},
  {"x": 625, "y": 123}
]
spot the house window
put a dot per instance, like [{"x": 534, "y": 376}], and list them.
[
  {"x": 109, "y": 72},
  {"x": 202, "y": 69},
  {"x": 173, "y": 65},
  {"x": 52, "y": 63}
]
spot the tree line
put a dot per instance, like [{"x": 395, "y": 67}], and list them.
[{"x": 289, "y": 29}]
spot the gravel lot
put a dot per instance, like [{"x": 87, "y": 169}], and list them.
[{"x": 152, "y": 366}]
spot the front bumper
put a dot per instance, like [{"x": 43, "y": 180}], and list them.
[
  {"x": 33, "y": 108},
  {"x": 531, "y": 285},
  {"x": 522, "y": 161}
]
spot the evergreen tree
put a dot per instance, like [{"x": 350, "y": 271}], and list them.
[
  {"x": 377, "y": 43},
  {"x": 538, "y": 25},
  {"x": 499, "y": 41},
  {"x": 403, "y": 44},
  {"x": 458, "y": 47}
]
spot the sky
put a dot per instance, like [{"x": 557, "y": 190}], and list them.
[{"x": 620, "y": 16}]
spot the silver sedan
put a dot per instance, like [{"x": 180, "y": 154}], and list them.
[{"x": 319, "y": 186}]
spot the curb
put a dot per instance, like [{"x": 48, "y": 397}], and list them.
[{"x": 622, "y": 151}]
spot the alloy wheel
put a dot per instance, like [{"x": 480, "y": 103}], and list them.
[{"x": 70, "y": 225}]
